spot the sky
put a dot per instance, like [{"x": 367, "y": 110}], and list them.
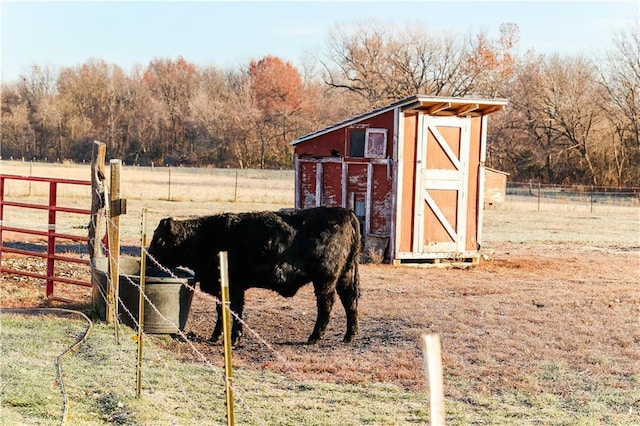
[{"x": 232, "y": 33}]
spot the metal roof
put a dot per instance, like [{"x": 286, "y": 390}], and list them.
[{"x": 432, "y": 105}]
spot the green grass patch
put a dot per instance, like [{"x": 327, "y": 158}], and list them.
[{"x": 100, "y": 379}]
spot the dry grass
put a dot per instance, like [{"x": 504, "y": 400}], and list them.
[{"x": 544, "y": 332}]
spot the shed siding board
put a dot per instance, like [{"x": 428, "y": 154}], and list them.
[
  {"x": 332, "y": 185},
  {"x": 396, "y": 182},
  {"x": 357, "y": 181},
  {"x": 473, "y": 189},
  {"x": 410, "y": 131},
  {"x": 336, "y": 143},
  {"x": 381, "y": 203},
  {"x": 324, "y": 145},
  {"x": 481, "y": 174},
  {"x": 307, "y": 185}
]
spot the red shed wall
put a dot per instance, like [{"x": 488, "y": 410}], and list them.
[
  {"x": 330, "y": 152},
  {"x": 336, "y": 142}
]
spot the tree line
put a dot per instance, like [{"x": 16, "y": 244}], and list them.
[{"x": 570, "y": 118}]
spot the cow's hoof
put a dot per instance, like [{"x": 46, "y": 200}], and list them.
[
  {"x": 235, "y": 339},
  {"x": 214, "y": 338},
  {"x": 348, "y": 338},
  {"x": 313, "y": 340}
]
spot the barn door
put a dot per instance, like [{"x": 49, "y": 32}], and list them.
[{"x": 441, "y": 182}]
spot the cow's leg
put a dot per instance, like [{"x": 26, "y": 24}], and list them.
[
  {"x": 237, "y": 307},
  {"x": 325, "y": 295},
  {"x": 209, "y": 284},
  {"x": 347, "y": 289},
  {"x": 217, "y": 331}
]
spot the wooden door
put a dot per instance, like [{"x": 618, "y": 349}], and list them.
[{"x": 442, "y": 175}]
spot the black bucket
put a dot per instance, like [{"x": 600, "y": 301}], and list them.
[{"x": 171, "y": 296}]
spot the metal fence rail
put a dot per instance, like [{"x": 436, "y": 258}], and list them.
[{"x": 51, "y": 233}]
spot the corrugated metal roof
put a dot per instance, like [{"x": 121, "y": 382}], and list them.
[{"x": 433, "y": 105}]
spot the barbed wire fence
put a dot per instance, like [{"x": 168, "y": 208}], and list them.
[
  {"x": 245, "y": 185},
  {"x": 199, "y": 356},
  {"x": 531, "y": 193}
]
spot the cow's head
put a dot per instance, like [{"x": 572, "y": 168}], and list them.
[{"x": 166, "y": 245}]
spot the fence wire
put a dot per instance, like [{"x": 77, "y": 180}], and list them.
[{"x": 573, "y": 193}]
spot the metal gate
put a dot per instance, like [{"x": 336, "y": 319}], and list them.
[{"x": 51, "y": 233}]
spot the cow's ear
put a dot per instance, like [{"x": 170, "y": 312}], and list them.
[
  {"x": 166, "y": 223},
  {"x": 172, "y": 224}
]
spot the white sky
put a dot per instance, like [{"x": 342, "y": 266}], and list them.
[{"x": 226, "y": 33}]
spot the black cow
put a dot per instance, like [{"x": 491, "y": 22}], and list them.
[{"x": 281, "y": 251}]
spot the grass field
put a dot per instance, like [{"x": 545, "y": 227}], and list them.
[{"x": 546, "y": 331}]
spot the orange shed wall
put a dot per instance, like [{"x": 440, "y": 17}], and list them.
[
  {"x": 408, "y": 176},
  {"x": 473, "y": 195},
  {"x": 409, "y": 144}
]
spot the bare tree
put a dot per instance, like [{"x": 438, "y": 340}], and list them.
[
  {"x": 173, "y": 84},
  {"x": 34, "y": 87},
  {"x": 276, "y": 92},
  {"x": 15, "y": 128},
  {"x": 383, "y": 64},
  {"x": 567, "y": 121},
  {"x": 620, "y": 77},
  {"x": 573, "y": 103},
  {"x": 491, "y": 63}
]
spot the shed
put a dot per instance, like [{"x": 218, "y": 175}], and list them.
[
  {"x": 413, "y": 172},
  {"x": 495, "y": 186}
]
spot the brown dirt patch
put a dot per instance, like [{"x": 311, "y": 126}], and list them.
[{"x": 501, "y": 324}]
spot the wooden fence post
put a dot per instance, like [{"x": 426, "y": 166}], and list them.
[
  {"x": 117, "y": 206},
  {"x": 96, "y": 221},
  {"x": 433, "y": 366}
]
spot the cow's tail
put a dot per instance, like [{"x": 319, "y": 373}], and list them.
[
  {"x": 355, "y": 252},
  {"x": 356, "y": 278}
]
